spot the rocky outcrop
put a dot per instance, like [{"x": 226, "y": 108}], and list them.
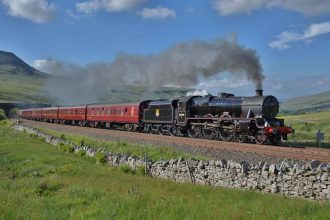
[{"x": 311, "y": 180}]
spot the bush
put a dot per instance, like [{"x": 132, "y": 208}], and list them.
[
  {"x": 62, "y": 136},
  {"x": 66, "y": 148},
  {"x": 81, "y": 153},
  {"x": 13, "y": 113},
  {"x": 126, "y": 169},
  {"x": 82, "y": 142},
  {"x": 3, "y": 115},
  {"x": 141, "y": 170},
  {"x": 33, "y": 135},
  {"x": 100, "y": 158}
]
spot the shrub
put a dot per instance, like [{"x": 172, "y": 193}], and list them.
[
  {"x": 126, "y": 169},
  {"x": 13, "y": 113},
  {"x": 82, "y": 142},
  {"x": 67, "y": 148},
  {"x": 47, "y": 187},
  {"x": 100, "y": 158},
  {"x": 3, "y": 115},
  {"x": 62, "y": 136},
  {"x": 33, "y": 135},
  {"x": 81, "y": 153},
  {"x": 141, "y": 170}
]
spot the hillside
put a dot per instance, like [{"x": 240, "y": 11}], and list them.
[
  {"x": 312, "y": 103},
  {"x": 21, "y": 82},
  {"x": 11, "y": 64}
]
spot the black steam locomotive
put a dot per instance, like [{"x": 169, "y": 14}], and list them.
[{"x": 225, "y": 117}]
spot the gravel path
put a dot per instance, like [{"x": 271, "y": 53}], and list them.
[{"x": 251, "y": 153}]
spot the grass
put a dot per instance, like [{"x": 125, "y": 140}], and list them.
[
  {"x": 140, "y": 150},
  {"x": 38, "y": 181},
  {"x": 306, "y": 126}
]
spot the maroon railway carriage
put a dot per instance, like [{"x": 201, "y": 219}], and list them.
[
  {"x": 36, "y": 114},
  {"x": 26, "y": 113},
  {"x": 50, "y": 114},
  {"x": 127, "y": 115},
  {"x": 72, "y": 115}
]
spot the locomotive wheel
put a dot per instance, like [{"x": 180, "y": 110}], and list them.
[
  {"x": 241, "y": 138},
  {"x": 173, "y": 131},
  {"x": 276, "y": 139},
  {"x": 160, "y": 130},
  {"x": 209, "y": 133},
  {"x": 260, "y": 138},
  {"x": 226, "y": 134},
  {"x": 194, "y": 131}
]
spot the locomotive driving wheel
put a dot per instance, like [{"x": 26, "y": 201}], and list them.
[
  {"x": 226, "y": 134},
  {"x": 194, "y": 131},
  {"x": 209, "y": 133},
  {"x": 241, "y": 138},
  {"x": 260, "y": 138},
  {"x": 173, "y": 131},
  {"x": 160, "y": 130}
]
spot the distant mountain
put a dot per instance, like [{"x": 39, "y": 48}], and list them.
[
  {"x": 11, "y": 64},
  {"x": 312, "y": 103}
]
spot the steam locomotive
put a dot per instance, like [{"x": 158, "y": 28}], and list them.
[{"x": 225, "y": 117}]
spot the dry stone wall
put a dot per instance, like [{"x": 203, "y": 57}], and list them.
[{"x": 311, "y": 181}]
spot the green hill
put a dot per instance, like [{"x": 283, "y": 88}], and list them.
[
  {"x": 21, "y": 82},
  {"x": 312, "y": 103},
  {"x": 11, "y": 64}
]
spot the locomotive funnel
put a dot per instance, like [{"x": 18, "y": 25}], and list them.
[{"x": 259, "y": 92}]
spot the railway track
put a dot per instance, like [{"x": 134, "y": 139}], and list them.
[{"x": 212, "y": 148}]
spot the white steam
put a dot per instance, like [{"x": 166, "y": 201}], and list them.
[
  {"x": 181, "y": 65},
  {"x": 199, "y": 92}
]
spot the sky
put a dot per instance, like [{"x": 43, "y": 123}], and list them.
[{"x": 291, "y": 37}]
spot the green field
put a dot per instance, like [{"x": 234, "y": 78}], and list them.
[
  {"x": 306, "y": 126},
  {"x": 38, "y": 181}
]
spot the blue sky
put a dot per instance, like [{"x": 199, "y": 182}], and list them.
[{"x": 291, "y": 37}]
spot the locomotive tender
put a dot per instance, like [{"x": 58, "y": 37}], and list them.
[{"x": 225, "y": 117}]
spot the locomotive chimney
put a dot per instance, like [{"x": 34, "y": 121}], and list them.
[{"x": 259, "y": 92}]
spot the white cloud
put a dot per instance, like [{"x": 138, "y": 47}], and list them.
[
  {"x": 157, "y": 13},
  {"x": 108, "y": 5},
  {"x": 39, "y": 11},
  {"x": 286, "y": 38},
  {"x": 306, "y": 7}
]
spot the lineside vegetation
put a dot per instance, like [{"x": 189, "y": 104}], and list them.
[{"x": 40, "y": 181}]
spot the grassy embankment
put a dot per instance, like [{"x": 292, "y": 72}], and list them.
[
  {"x": 140, "y": 150},
  {"x": 306, "y": 126},
  {"x": 40, "y": 182}
]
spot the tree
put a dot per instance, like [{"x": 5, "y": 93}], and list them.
[
  {"x": 13, "y": 113},
  {"x": 3, "y": 115}
]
